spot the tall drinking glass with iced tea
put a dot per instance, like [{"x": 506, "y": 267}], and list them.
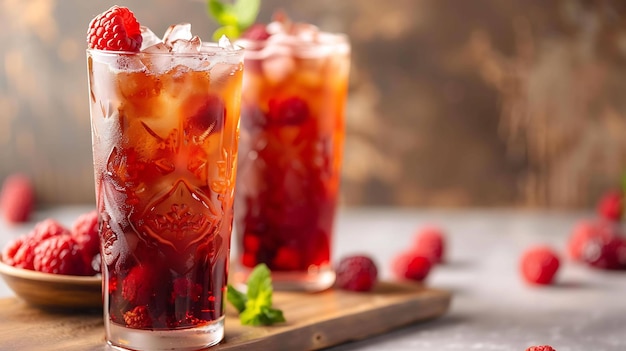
[
  {"x": 165, "y": 125},
  {"x": 293, "y": 100}
]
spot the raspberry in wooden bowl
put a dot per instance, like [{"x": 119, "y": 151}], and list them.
[{"x": 55, "y": 267}]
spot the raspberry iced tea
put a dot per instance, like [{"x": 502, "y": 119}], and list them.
[
  {"x": 293, "y": 101},
  {"x": 165, "y": 137}
]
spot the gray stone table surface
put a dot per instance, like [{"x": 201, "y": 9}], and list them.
[{"x": 492, "y": 308}]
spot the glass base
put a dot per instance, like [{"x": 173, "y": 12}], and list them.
[
  {"x": 122, "y": 338},
  {"x": 313, "y": 280}
]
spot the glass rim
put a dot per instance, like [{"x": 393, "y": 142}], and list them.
[
  {"x": 328, "y": 39},
  {"x": 215, "y": 51}
]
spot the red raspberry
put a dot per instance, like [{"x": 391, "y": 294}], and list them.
[
  {"x": 17, "y": 198},
  {"x": 10, "y": 250},
  {"x": 430, "y": 243},
  {"x": 85, "y": 231},
  {"x": 138, "y": 318},
  {"x": 611, "y": 206},
  {"x": 585, "y": 231},
  {"x": 356, "y": 273},
  {"x": 116, "y": 29},
  {"x": 540, "y": 348},
  {"x": 605, "y": 253},
  {"x": 58, "y": 255},
  {"x": 138, "y": 285},
  {"x": 257, "y": 31},
  {"x": 290, "y": 111},
  {"x": 539, "y": 265},
  {"x": 24, "y": 257},
  {"x": 411, "y": 265}
]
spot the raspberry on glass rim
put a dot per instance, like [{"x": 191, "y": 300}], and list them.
[{"x": 116, "y": 29}]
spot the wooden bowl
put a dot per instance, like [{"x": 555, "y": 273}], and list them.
[{"x": 53, "y": 291}]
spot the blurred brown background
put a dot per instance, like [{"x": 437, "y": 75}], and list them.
[{"x": 453, "y": 103}]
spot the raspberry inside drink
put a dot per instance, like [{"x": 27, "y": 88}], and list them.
[
  {"x": 292, "y": 122},
  {"x": 165, "y": 138}
]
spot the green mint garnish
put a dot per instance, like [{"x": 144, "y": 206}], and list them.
[
  {"x": 234, "y": 18},
  {"x": 255, "y": 307}
]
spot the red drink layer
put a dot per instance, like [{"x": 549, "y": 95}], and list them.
[
  {"x": 292, "y": 124},
  {"x": 165, "y": 149}
]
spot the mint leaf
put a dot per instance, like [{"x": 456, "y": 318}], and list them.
[
  {"x": 255, "y": 307},
  {"x": 259, "y": 282},
  {"x": 236, "y": 298},
  {"x": 271, "y": 315},
  {"x": 222, "y": 13},
  {"x": 246, "y": 12},
  {"x": 234, "y": 18}
]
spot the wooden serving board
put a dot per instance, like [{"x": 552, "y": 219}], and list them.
[{"x": 314, "y": 321}]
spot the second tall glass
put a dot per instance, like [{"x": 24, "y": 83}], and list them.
[{"x": 292, "y": 132}]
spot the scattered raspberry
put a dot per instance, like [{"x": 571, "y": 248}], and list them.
[
  {"x": 10, "y": 250},
  {"x": 605, "y": 252},
  {"x": 411, "y": 265},
  {"x": 257, "y": 31},
  {"x": 611, "y": 206},
  {"x": 17, "y": 198},
  {"x": 540, "y": 348},
  {"x": 290, "y": 111},
  {"x": 138, "y": 318},
  {"x": 138, "y": 284},
  {"x": 430, "y": 243},
  {"x": 116, "y": 29},
  {"x": 59, "y": 255},
  {"x": 585, "y": 231},
  {"x": 356, "y": 273},
  {"x": 85, "y": 231},
  {"x": 539, "y": 265},
  {"x": 24, "y": 257}
]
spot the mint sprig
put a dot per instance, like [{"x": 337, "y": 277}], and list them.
[
  {"x": 255, "y": 307},
  {"x": 234, "y": 18}
]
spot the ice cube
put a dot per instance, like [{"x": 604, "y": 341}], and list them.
[
  {"x": 149, "y": 38},
  {"x": 157, "y": 63},
  {"x": 305, "y": 32},
  {"x": 158, "y": 48},
  {"x": 276, "y": 27},
  {"x": 187, "y": 46},
  {"x": 225, "y": 44},
  {"x": 176, "y": 32}
]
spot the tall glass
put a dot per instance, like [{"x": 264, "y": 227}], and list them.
[
  {"x": 293, "y": 101},
  {"x": 165, "y": 137}
]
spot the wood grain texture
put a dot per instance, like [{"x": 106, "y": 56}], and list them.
[{"x": 315, "y": 321}]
